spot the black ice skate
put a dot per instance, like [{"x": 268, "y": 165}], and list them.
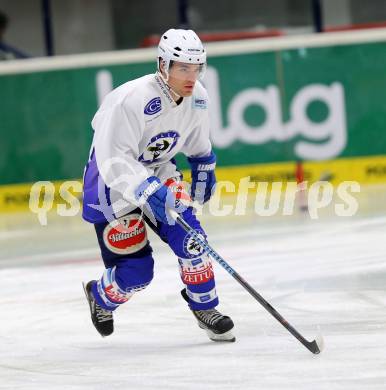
[
  {"x": 217, "y": 326},
  {"x": 101, "y": 318}
]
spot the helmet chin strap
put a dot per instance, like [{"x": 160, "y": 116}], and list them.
[{"x": 165, "y": 81}]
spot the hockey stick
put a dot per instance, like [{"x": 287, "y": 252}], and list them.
[{"x": 314, "y": 346}]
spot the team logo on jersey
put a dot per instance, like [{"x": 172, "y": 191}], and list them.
[
  {"x": 153, "y": 106},
  {"x": 125, "y": 235},
  {"x": 159, "y": 146},
  {"x": 199, "y": 103}
]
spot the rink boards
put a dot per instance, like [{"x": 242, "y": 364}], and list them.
[{"x": 365, "y": 171}]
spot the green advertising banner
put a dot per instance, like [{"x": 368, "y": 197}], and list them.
[{"x": 308, "y": 104}]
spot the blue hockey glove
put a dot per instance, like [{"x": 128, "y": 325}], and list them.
[
  {"x": 158, "y": 198},
  {"x": 203, "y": 177}
]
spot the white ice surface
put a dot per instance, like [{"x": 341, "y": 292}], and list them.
[{"x": 329, "y": 273}]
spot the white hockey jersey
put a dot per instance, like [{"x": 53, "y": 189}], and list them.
[{"x": 137, "y": 131}]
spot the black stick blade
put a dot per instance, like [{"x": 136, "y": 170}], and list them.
[{"x": 317, "y": 345}]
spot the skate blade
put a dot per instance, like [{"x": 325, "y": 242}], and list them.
[
  {"x": 84, "y": 284},
  {"x": 223, "y": 337}
]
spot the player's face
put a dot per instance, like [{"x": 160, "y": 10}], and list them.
[{"x": 183, "y": 77}]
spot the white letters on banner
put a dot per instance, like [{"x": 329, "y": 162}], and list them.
[{"x": 330, "y": 135}]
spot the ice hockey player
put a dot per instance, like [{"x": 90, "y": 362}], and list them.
[{"x": 131, "y": 182}]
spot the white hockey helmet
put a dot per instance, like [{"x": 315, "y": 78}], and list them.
[{"x": 181, "y": 46}]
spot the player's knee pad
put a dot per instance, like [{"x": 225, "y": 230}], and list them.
[
  {"x": 122, "y": 239},
  {"x": 183, "y": 244},
  {"x": 119, "y": 283}
]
